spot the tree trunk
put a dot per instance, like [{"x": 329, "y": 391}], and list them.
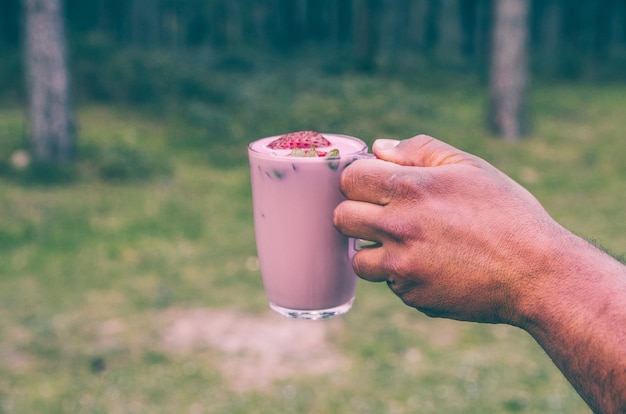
[
  {"x": 547, "y": 42},
  {"x": 50, "y": 116},
  {"x": 365, "y": 34},
  {"x": 509, "y": 69},
  {"x": 144, "y": 23}
]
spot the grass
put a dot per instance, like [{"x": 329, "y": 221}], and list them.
[{"x": 91, "y": 263}]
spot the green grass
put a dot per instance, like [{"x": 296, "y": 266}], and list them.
[{"x": 156, "y": 216}]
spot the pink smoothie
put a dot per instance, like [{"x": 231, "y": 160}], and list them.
[{"x": 305, "y": 262}]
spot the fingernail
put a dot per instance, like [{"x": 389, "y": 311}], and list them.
[{"x": 385, "y": 144}]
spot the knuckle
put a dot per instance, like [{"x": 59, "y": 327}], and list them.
[
  {"x": 399, "y": 266},
  {"x": 403, "y": 186},
  {"x": 402, "y": 225}
]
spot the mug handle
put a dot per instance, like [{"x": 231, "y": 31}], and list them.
[
  {"x": 359, "y": 244},
  {"x": 363, "y": 156}
]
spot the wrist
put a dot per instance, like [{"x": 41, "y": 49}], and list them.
[
  {"x": 577, "y": 314},
  {"x": 571, "y": 281}
]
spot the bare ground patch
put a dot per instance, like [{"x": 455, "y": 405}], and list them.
[{"x": 257, "y": 349}]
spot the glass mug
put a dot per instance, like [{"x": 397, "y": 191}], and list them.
[{"x": 305, "y": 263}]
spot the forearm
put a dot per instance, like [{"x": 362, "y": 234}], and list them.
[{"x": 579, "y": 319}]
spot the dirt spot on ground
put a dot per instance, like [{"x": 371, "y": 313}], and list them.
[{"x": 258, "y": 349}]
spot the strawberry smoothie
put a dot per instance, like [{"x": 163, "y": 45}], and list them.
[{"x": 305, "y": 262}]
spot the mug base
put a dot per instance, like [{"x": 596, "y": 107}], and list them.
[{"x": 313, "y": 314}]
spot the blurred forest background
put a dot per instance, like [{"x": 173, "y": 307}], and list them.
[
  {"x": 128, "y": 276},
  {"x": 569, "y": 38},
  {"x": 141, "y": 51},
  {"x": 164, "y": 52}
]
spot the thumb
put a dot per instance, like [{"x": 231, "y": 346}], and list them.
[{"x": 420, "y": 151}]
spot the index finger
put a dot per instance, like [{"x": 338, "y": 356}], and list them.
[{"x": 369, "y": 180}]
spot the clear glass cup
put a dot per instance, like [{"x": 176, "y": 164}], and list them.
[{"x": 305, "y": 263}]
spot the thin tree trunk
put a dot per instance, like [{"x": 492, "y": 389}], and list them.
[
  {"x": 509, "y": 69},
  {"x": 144, "y": 21},
  {"x": 468, "y": 28},
  {"x": 365, "y": 34},
  {"x": 50, "y": 115},
  {"x": 549, "y": 40}
]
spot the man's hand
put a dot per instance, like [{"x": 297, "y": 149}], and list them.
[{"x": 457, "y": 238}]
